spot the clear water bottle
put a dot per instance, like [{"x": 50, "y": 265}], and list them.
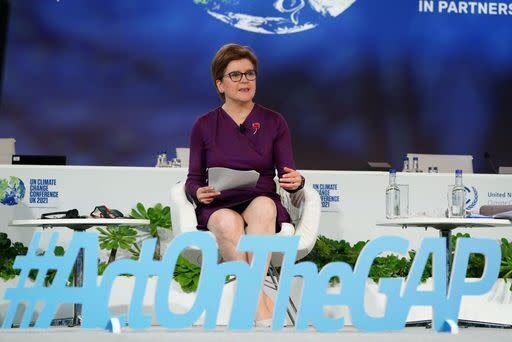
[
  {"x": 458, "y": 197},
  {"x": 161, "y": 160},
  {"x": 175, "y": 162},
  {"x": 392, "y": 197},
  {"x": 406, "y": 165},
  {"x": 158, "y": 159},
  {"x": 415, "y": 166}
]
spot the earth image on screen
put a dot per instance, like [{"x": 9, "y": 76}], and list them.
[{"x": 274, "y": 16}]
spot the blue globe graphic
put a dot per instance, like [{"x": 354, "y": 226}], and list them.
[
  {"x": 12, "y": 191},
  {"x": 274, "y": 16}
]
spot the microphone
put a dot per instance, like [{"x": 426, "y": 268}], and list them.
[
  {"x": 490, "y": 160},
  {"x": 242, "y": 128}
]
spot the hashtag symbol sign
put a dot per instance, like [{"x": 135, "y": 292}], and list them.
[{"x": 58, "y": 292}]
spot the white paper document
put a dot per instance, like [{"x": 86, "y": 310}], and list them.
[{"x": 222, "y": 178}]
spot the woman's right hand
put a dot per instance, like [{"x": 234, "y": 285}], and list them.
[{"x": 206, "y": 194}]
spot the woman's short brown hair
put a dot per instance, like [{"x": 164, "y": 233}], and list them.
[{"x": 226, "y": 54}]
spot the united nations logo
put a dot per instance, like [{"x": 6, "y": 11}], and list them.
[
  {"x": 274, "y": 16},
  {"x": 12, "y": 191},
  {"x": 471, "y": 197}
]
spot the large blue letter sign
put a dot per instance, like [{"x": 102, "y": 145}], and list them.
[{"x": 401, "y": 293}]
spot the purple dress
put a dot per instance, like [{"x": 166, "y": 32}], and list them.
[{"x": 264, "y": 145}]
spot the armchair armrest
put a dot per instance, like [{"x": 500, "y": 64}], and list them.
[{"x": 183, "y": 215}]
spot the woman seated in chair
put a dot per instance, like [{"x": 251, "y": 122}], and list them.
[{"x": 241, "y": 135}]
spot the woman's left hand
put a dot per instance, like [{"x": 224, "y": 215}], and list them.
[{"x": 291, "y": 179}]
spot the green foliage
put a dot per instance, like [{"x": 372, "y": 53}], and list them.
[
  {"x": 102, "y": 266},
  {"x": 158, "y": 216},
  {"x": 476, "y": 261},
  {"x": 390, "y": 266},
  {"x": 135, "y": 251},
  {"x": 187, "y": 274},
  {"x": 327, "y": 250},
  {"x": 113, "y": 238},
  {"x": 58, "y": 251},
  {"x": 506, "y": 260},
  {"x": 427, "y": 271},
  {"x": 117, "y": 237},
  {"x": 50, "y": 275},
  {"x": 8, "y": 252}
]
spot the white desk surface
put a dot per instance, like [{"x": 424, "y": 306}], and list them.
[
  {"x": 79, "y": 222},
  {"x": 443, "y": 221}
]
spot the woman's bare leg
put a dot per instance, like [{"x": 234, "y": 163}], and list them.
[
  {"x": 228, "y": 226},
  {"x": 260, "y": 216}
]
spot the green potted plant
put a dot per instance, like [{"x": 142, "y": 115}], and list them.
[
  {"x": 113, "y": 238},
  {"x": 8, "y": 252},
  {"x": 159, "y": 217},
  {"x": 506, "y": 262}
]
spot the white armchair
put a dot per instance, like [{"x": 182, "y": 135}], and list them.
[{"x": 303, "y": 207}]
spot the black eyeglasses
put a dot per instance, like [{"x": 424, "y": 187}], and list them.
[{"x": 236, "y": 76}]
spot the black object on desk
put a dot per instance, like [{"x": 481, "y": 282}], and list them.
[{"x": 20, "y": 159}]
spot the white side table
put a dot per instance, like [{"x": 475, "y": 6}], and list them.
[
  {"x": 445, "y": 227},
  {"x": 78, "y": 225}
]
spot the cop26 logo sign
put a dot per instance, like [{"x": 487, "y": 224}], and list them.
[
  {"x": 274, "y": 16},
  {"x": 444, "y": 298},
  {"x": 12, "y": 191}
]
